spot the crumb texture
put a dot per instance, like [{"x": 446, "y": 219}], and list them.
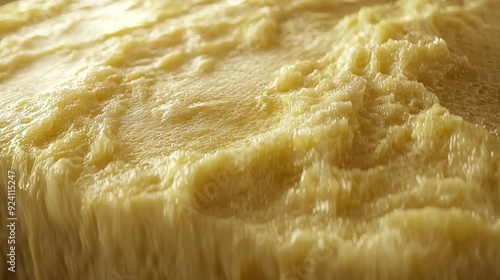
[{"x": 252, "y": 139}]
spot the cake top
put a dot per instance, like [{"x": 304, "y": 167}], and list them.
[{"x": 307, "y": 121}]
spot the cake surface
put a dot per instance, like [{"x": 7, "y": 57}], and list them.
[{"x": 251, "y": 139}]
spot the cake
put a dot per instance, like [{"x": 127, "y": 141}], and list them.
[{"x": 250, "y": 139}]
